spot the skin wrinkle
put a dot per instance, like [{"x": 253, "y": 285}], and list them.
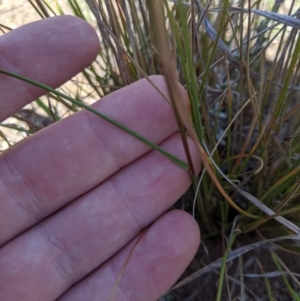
[
  {"x": 154, "y": 173},
  {"x": 87, "y": 294},
  {"x": 86, "y": 207},
  {"x": 72, "y": 153},
  {"x": 124, "y": 288},
  {"x": 151, "y": 257},
  {"x": 123, "y": 197},
  {"x": 112, "y": 242},
  {"x": 110, "y": 200},
  {"x": 57, "y": 244},
  {"x": 114, "y": 162},
  {"x": 139, "y": 250},
  {"x": 69, "y": 157},
  {"x": 13, "y": 263},
  {"x": 139, "y": 195},
  {"x": 24, "y": 205},
  {"x": 9, "y": 64}
]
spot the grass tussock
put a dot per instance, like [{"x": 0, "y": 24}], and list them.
[{"x": 239, "y": 62}]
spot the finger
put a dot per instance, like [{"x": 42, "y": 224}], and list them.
[
  {"x": 53, "y": 167},
  {"x": 156, "y": 260},
  {"x": 72, "y": 243},
  {"x": 50, "y": 51}
]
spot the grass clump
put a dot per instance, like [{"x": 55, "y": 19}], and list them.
[{"x": 239, "y": 62}]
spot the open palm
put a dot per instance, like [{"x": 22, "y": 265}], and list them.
[{"x": 77, "y": 199}]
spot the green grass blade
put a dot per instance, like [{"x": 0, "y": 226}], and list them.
[{"x": 112, "y": 121}]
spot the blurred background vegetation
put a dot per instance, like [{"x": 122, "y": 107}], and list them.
[{"x": 239, "y": 62}]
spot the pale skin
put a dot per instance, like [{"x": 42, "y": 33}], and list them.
[{"x": 75, "y": 197}]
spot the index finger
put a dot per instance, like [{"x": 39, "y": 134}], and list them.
[{"x": 50, "y": 51}]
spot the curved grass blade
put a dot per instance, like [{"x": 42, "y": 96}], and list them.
[
  {"x": 223, "y": 266},
  {"x": 260, "y": 205},
  {"x": 232, "y": 255},
  {"x": 78, "y": 103}
]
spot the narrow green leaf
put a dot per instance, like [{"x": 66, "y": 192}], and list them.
[{"x": 114, "y": 122}]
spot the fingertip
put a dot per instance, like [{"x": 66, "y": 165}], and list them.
[
  {"x": 164, "y": 253},
  {"x": 85, "y": 32},
  {"x": 185, "y": 233},
  {"x": 50, "y": 51}
]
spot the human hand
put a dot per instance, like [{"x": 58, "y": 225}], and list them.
[{"x": 75, "y": 197}]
